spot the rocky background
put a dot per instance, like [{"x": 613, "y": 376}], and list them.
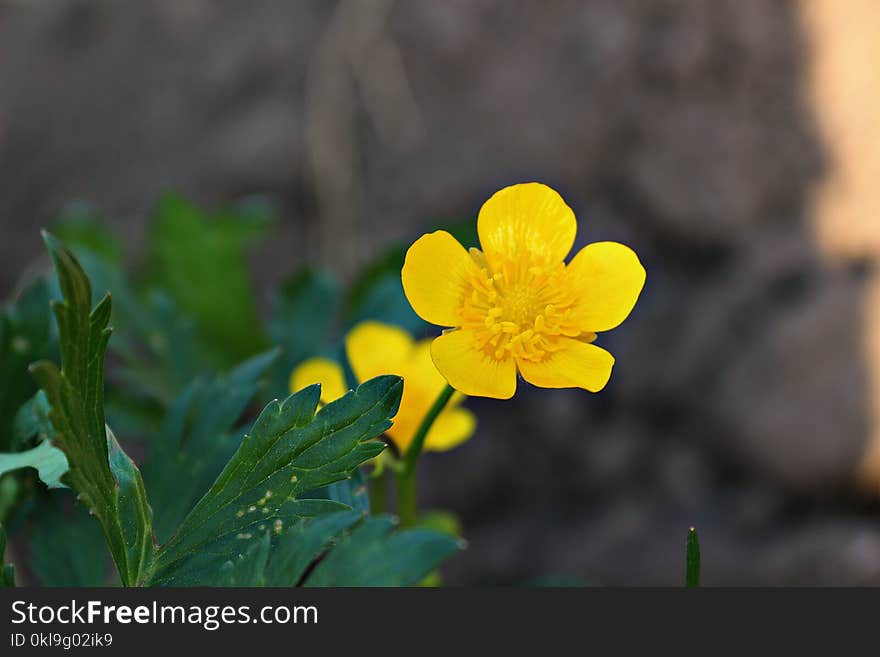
[{"x": 732, "y": 144}]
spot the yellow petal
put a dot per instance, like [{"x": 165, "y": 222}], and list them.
[
  {"x": 609, "y": 278},
  {"x": 526, "y": 221},
  {"x": 470, "y": 370},
  {"x": 434, "y": 277},
  {"x": 422, "y": 384},
  {"x": 374, "y": 348},
  {"x": 421, "y": 374},
  {"x": 575, "y": 365},
  {"x": 452, "y": 427},
  {"x": 320, "y": 370}
]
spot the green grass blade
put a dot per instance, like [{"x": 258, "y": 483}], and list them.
[{"x": 692, "y": 574}]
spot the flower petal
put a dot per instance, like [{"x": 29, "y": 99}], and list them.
[
  {"x": 610, "y": 279},
  {"x": 527, "y": 220},
  {"x": 434, "y": 277},
  {"x": 374, "y": 348},
  {"x": 576, "y": 365},
  {"x": 470, "y": 370},
  {"x": 320, "y": 370},
  {"x": 451, "y": 428},
  {"x": 422, "y": 384},
  {"x": 421, "y": 374}
]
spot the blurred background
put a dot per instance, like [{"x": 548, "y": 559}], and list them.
[{"x": 733, "y": 144}]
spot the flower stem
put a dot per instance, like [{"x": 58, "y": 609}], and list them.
[
  {"x": 418, "y": 441},
  {"x": 378, "y": 488},
  {"x": 405, "y": 477},
  {"x": 406, "y": 498}
]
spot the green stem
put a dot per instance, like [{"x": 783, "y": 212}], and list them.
[
  {"x": 692, "y": 559},
  {"x": 406, "y": 498},
  {"x": 378, "y": 489},
  {"x": 415, "y": 447},
  {"x": 405, "y": 476}
]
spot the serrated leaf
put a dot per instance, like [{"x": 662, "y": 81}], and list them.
[
  {"x": 370, "y": 554},
  {"x": 154, "y": 341},
  {"x": 7, "y": 572},
  {"x": 351, "y": 492},
  {"x": 197, "y": 438},
  {"x": 282, "y": 560},
  {"x": 49, "y": 462},
  {"x": 132, "y": 511},
  {"x": 107, "y": 481},
  {"x": 289, "y": 451},
  {"x": 199, "y": 259},
  {"x": 376, "y": 555},
  {"x": 67, "y": 549},
  {"x": 209, "y": 564},
  {"x": 295, "y": 550},
  {"x": 250, "y": 568}
]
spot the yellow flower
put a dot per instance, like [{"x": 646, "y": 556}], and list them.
[
  {"x": 516, "y": 306},
  {"x": 374, "y": 348},
  {"x": 320, "y": 370}
]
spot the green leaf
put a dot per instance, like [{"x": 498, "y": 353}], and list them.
[
  {"x": 196, "y": 440},
  {"x": 7, "y": 573},
  {"x": 351, "y": 492},
  {"x": 162, "y": 353},
  {"x": 132, "y": 512},
  {"x": 375, "y": 555},
  {"x": 199, "y": 259},
  {"x": 296, "y": 550},
  {"x": 67, "y": 549},
  {"x": 209, "y": 563},
  {"x": 692, "y": 574},
  {"x": 302, "y": 315},
  {"x": 25, "y": 336},
  {"x": 290, "y": 450},
  {"x": 49, "y": 462},
  {"x": 32, "y": 420},
  {"x": 107, "y": 481},
  {"x": 357, "y": 551},
  {"x": 282, "y": 560},
  {"x": 250, "y": 568},
  {"x": 155, "y": 342}
]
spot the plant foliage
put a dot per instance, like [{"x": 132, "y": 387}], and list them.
[{"x": 282, "y": 503}]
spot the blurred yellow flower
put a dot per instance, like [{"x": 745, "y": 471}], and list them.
[
  {"x": 374, "y": 348},
  {"x": 320, "y": 370},
  {"x": 516, "y": 306}
]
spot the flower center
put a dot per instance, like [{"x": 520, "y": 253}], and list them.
[{"x": 520, "y": 309}]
